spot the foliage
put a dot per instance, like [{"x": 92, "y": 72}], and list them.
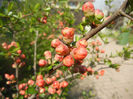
[{"x": 39, "y": 66}]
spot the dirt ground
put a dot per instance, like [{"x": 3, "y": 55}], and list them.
[{"x": 113, "y": 85}]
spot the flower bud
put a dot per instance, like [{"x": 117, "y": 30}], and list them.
[
  {"x": 88, "y": 9},
  {"x": 68, "y": 61},
  {"x": 42, "y": 63},
  {"x": 62, "y": 50},
  {"x": 47, "y": 54},
  {"x": 82, "y": 43},
  {"x": 68, "y": 32},
  {"x": 55, "y": 43},
  {"x": 58, "y": 58},
  {"x": 80, "y": 53},
  {"x": 99, "y": 14}
]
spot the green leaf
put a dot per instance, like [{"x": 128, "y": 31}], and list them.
[
  {"x": 19, "y": 14},
  {"x": 47, "y": 9},
  {"x": 96, "y": 73},
  {"x": 20, "y": 97},
  {"x": 15, "y": 49},
  {"x": 2, "y": 54},
  {"x": 36, "y": 6},
  {"x": 31, "y": 90},
  {"x": 42, "y": 95},
  {"x": 114, "y": 66},
  {"x": 50, "y": 67},
  {"x": 81, "y": 27},
  {"x": 2, "y": 15},
  {"x": 10, "y": 6},
  {"x": 77, "y": 38}
]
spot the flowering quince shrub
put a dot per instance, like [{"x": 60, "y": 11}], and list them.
[{"x": 54, "y": 71}]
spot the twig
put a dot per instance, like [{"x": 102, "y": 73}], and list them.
[
  {"x": 17, "y": 71},
  {"x": 27, "y": 15},
  {"x": 54, "y": 68},
  {"x": 69, "y": 76},
  {"x": 102, "y": 68},
  {"x": 32, "y": 97},
  {"x": 91, "y": 34},
  {"x": 35, "y": 53},
  {"x": 97, "y": 29},
  {"x": 112, "y": 18},
  {"x": 1, "y": 95},
  {"x": 126, "y": 15}
]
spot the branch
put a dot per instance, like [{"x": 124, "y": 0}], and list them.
[
  {"x": 124, "y": 5},
  {"x": 89, "y": 35},
  {"x": 35, "y": 53},
  {"x": 69, "y": 76},
  {"x": 27, "y": 15},
  {"x": 1, "y": 95},
  {"x": 32, "y": 96},
  {"x": 17, "y": 71},
  {"x": 100, "y": 27},
  {"x": 102, "y": 68},
  {"x": 96, "y": 30},
  {"x": 112, "y": 18},
  {"x": 54, "y": 68},
  {"x": 126, "y": 15}
]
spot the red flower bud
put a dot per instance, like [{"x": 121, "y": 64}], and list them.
[
  {"x": 82, "y": 43},
  {"x": 56, "y": 85},
  {"x": 13, "y": 43},
  {"x": 53, "y": 78},
  {"x": 59, "y": 72},
  {"x": 12, "y": 77},
  {"x": 51, "y": 90},
  {"x": 55, "y": 43},
  {"x": 102, "y": 51},
  {"x": 99, "y": 14},
  {"x": 48, "y": 80},
  {"x": 80, "y": 53},
  {"x": 68, "y": 32},
  {"x": 4, "y": 44},
  {"x": 19, "y": 51},
  {"x": 42, "y": 63},
  {"x": 22, "y": 92},
  {"x": 31, "y": 82},
  {"x": 18, "y": 60},
  {"x": 68, "y": 61},
  {"x": 47, "y": 54},
  {"x": 101, "y": 72},
  {"x": 97, "y": 48},
  {"x": 41, "y": 90},
  {"x": 39, "y": 77},
  {"x": 7, "y": 76},
  {"x": 81, "y": 77},
  {"x": 23, "y": 56},
  {"x": 59, "y": 91},
  {"x": 20, "y": 86},
  {"x": 68, "y": 40},
  {"x": 8, "y": 82},
  {"x": 88, "y": 9},
  {"x": 62, "y": 50},
  {"x": 64, "y": 84},
  {"x": 14, "y": 65},
  {"x": 40, "y": 82},
  {"x": 93, "y": 43},
  {"x": 58, "y": 58}
]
